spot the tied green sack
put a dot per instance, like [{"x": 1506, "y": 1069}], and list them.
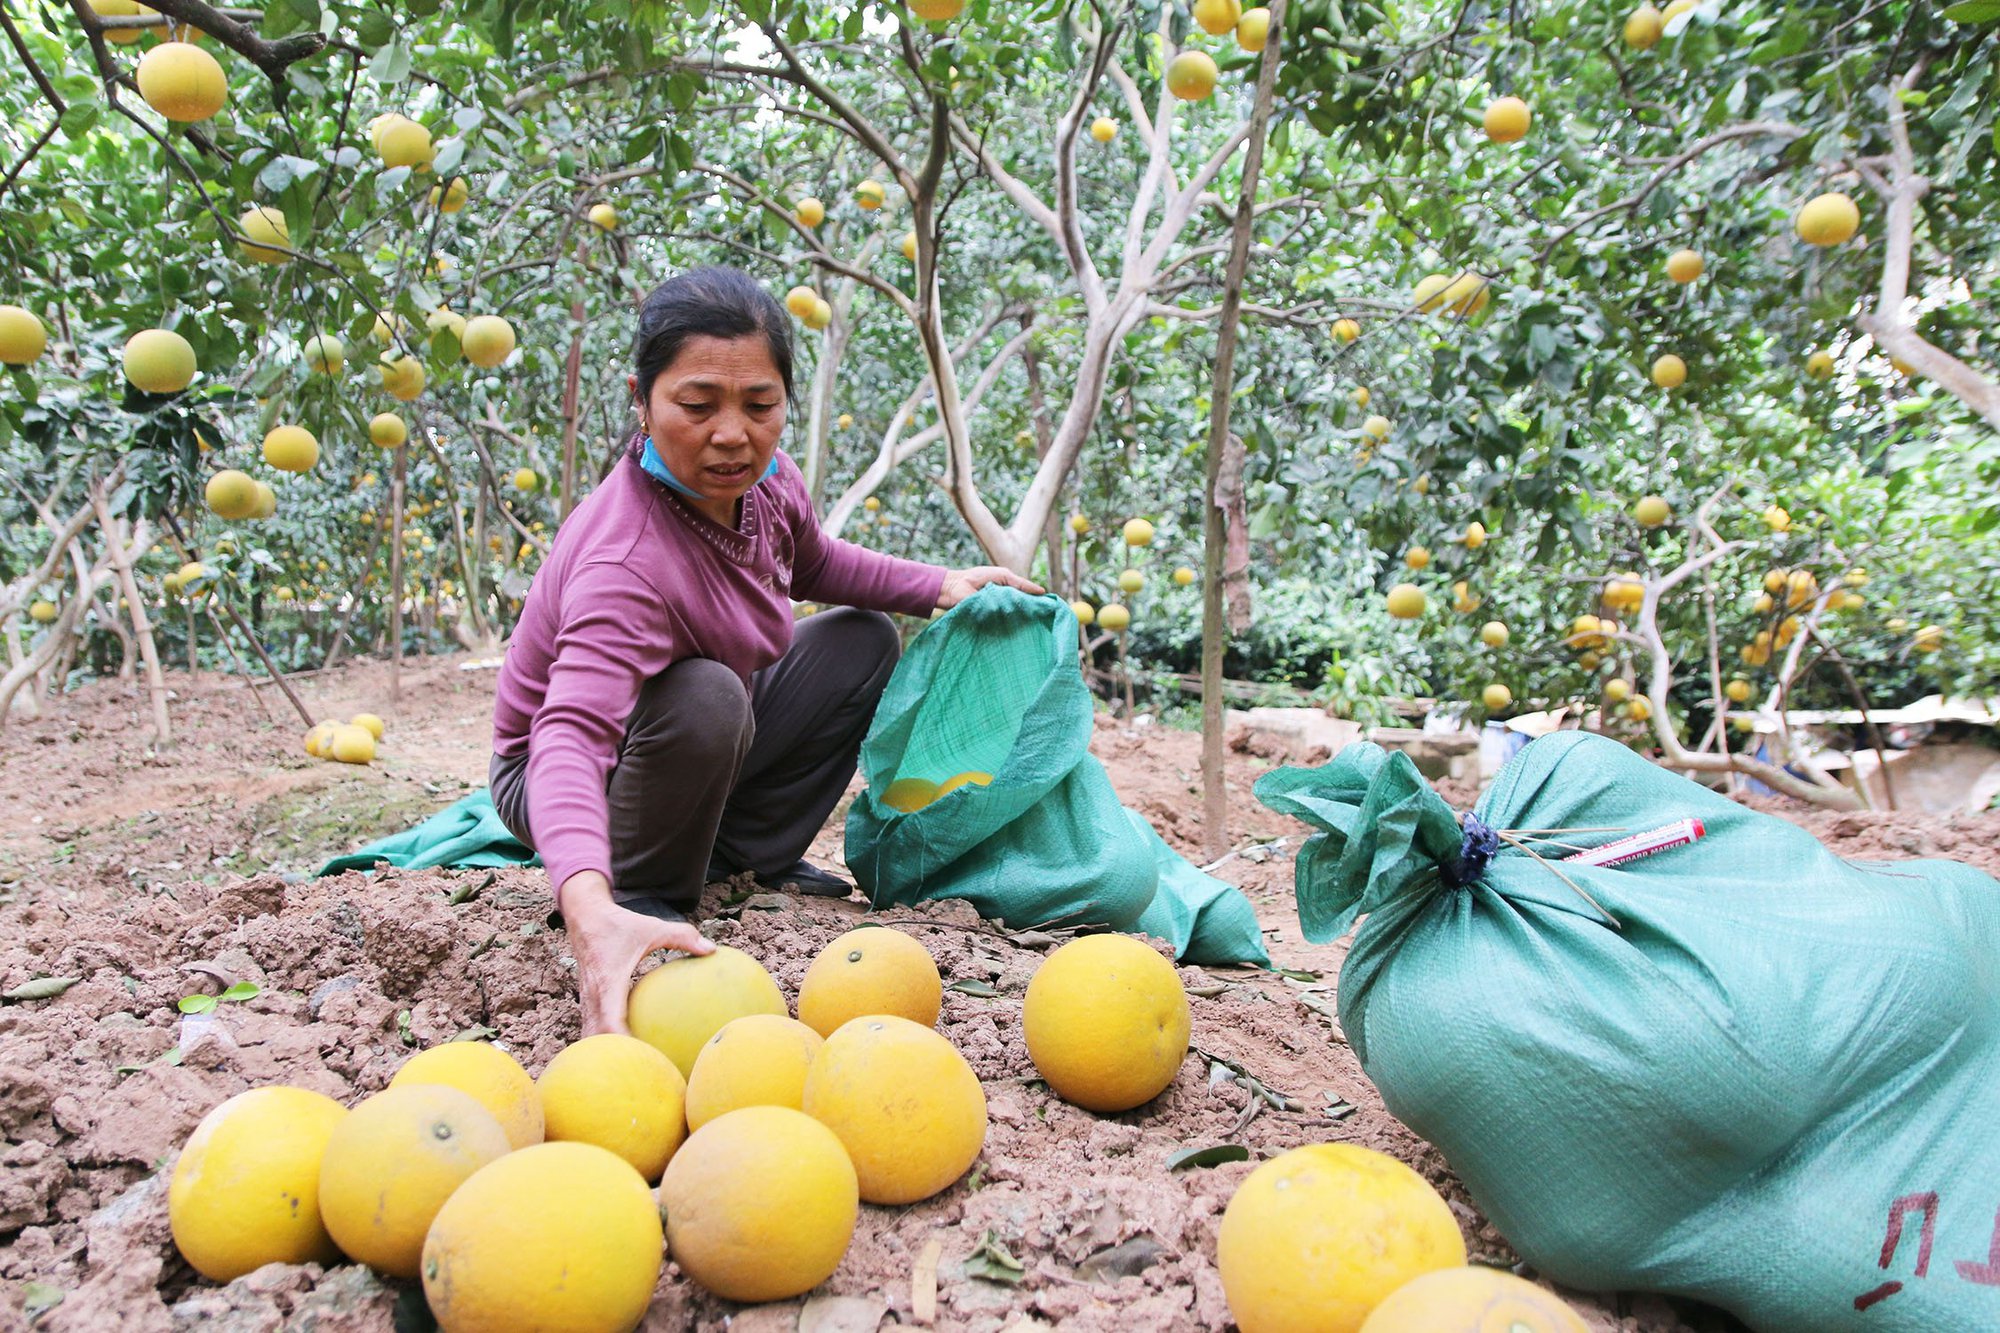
[
  {"x": 993, "y": 688},
  {"x": 1774, "y": 1086}
]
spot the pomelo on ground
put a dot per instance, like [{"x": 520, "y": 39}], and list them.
[
  {"x": 680, "y": 1004},
  {"x": 488, "y": 1074},
  {"x": 904, "y": 1103},
  {"x": 756, "y": 1060},
  {"x": 762, "y": 1205},
  {"x": 619, "y": 1093},
  {"x": 554, "y": 1236},
  {"x": 870, "y": 970},
  {"x": 245, "y": 1191},
  {"x": 1106, "y": 1022},
  {"x": 1314, "y": 1239},
  {"x": 1473, "y": 1299},
  {"x": 393, "y": 1161}
]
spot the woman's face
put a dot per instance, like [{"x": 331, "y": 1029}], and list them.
[{"x": 715, "y": 415}]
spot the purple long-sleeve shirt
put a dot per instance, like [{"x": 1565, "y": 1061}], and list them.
[{"x": 637, "y": 580}]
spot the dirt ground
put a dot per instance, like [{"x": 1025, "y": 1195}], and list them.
[{"x": 150, "y": 877}]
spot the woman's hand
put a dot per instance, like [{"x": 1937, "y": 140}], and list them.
[
  {"x": 608, "y": 942},
  {"x": 960, "y": 584}
]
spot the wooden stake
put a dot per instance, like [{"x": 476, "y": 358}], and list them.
[{"x": 923, "y": 1282}]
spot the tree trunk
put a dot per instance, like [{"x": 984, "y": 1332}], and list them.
[
  {"x": 1214, "y": 628},
  {"x": 142, "y": 627},
  {"x": 396, "y": 578}
]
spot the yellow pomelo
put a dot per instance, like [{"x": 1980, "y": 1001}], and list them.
[
  {"x": 1644, "y": 28},
  {"x": 525, "y": 479},
  {"x": 1829, "y": 219},
  {"x": 903, "y": 1101},
  {"x": 182, "y": 82},
  {"x": 403, "y": 142},
  {"x": 809, "y": 211},
  {"x": 1192, "y": 75},
  {"x": 1104, "y": 129},
  {"x": 392, "y": 1163},
  {"x": 1417, "y": 557},
  {"x": 263, "y": 228},
  {"x": 1493, "y": 634},
  {"x": 487, "y": 340},
  {"x": 1496, "y": 697},
  {"x": 245, "y": 1191},
  {"x": 1376, "y": 428},
  {"x": 1316, "y": 1238},
  {"x": 267, "y": 501},
  {"x": 1079, "y": 524},
  {"x": 821, "y": 314},
  {"x": 620, "y": 1094},
  {"x": 291, "y": 449},
  {"x": 1114, "y": 617},
  {"x": 449, "y": 198},
  {"x": 1475, "y": 535},
  {"x": 488, "y": 1074},
  {"x": 318, "y": 739},
  {"x": 1670, "y": 372},
  {"x": 1777, "y": 519},
  {"x": 444, "y": 317},
  {"x": 1405, "y": 601},
  {"x": 232, "y": 495},
  {"x": 1738, "y": 691},
  {"x": 1084, "y": 612},
  {"x": 1346, "y": 330},
  {"x": 402, "y": 377},
  {"x": 1216, "y": 17},
  {"x": 1429, "y": 293},
  {"x": 119, "y": 9},
  {"x": 1473, "y": 1300},
  {"x": 1183, "y": 577},
  {"x": 800, "y": 301},
  {"x": 1685, "y": 265},
  {"x": 937, "y": 11},
  {"x": 1106, "y": 1022},
  {"x": 869, "y": 194},
  {"x": 159, "y": 361},
  {"x": 558, "y": 1236},
  {"x": 369, "y": 723},
  {"x": 325, "y": 354},
  {"x": 1617, "y": 691},
  {"x": 910, "y": 794},
  {"x": 756, "y": 1060},
  {"x": 681, "y": 1003},
  {"x": 1253, "y": 29},
  {"x": 351, "y": 745},
  {"x": 1928, "y": 639},
  {"x": 1507, "y": 120},
  {"x": 1131, "y": 580},
  {"x": 762, "y": 1205},
  {"x": 1362, "y": 396},
  {"x": 388, "y": 431},
  {"x": 42, "y": 611},
  {"x": 1138, "y": 532},
  {"x": 22, "y": 337},
  {"x": 1638, "y": 709},
  {"x": 1676, "y": 8},
  {"x": 910, "y": 246},
  {"x": 603, "y": 217},
  {"x": 1652, "y": 511},
  {"x": 1820, "y": 365},
  {"x": 1468, "y": 295},
  {"x": 872, "y": 970},
  {"x": 970, "y": 778}
]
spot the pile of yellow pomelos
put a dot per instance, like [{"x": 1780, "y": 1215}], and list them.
[{"x": 741, "y": 1142}]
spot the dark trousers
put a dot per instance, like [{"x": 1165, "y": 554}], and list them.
[{"x": 747, "y": 776}]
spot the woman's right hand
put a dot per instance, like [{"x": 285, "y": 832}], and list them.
[{"x": 608, "y": 942}]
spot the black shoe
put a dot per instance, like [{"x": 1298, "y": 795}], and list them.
[
  {"x": 646, "y": 904},
  {"x": 808, "y": 878}
]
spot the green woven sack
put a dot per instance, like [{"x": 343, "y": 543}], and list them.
[
  {"x": 993, "y": 688},
  {"x": 1773, "y": 1084}
]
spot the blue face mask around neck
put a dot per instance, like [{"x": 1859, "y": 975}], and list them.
[{"x": 656, "y": 467}]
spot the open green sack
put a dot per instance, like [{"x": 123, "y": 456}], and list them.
[
  {"x": 1774, "y": 1086},
  {"x": 993, "y": 688}
]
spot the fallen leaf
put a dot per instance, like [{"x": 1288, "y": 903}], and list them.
[
  {"x": 1214, "y": 1154},
  {"x": 992, "y": 1262},
  {"x": 982, "y": 989},
  {"x": 41, "y": 988}
]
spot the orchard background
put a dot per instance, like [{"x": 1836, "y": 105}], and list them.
[{"x": 1324, "y": 310}]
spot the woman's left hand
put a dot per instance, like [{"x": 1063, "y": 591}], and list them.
[{"x": 960, "y": 584}]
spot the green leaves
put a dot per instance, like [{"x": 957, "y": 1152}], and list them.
[{"x": 1974, "y": 11}]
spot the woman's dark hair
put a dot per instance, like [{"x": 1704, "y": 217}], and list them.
[{"x": 714, "y": 302}]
